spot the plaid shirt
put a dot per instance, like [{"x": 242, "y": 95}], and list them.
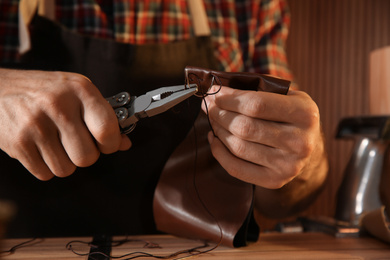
[{"x": 247, "y": 35}]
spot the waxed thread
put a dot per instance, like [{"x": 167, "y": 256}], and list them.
[
  {"x": 26, "y": 243},
  {"x": 204, "y": 95},
  {"x": 137, "y": 254}
]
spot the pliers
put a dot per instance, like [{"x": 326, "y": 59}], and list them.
[{"x": 130, "y": 109}]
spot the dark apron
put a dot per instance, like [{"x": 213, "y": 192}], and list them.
[{"x": 115, "y": 195}]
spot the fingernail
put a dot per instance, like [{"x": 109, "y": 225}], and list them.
[{"x": 214, "y": 88}]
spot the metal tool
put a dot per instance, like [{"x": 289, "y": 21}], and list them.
[
  {"x": 359, "y": 191},
  {"x": 130, "y": 109}
]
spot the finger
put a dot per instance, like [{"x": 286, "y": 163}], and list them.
[
  {"x": 249, "y": 151},
  {"x": 47, "y": 140},
  {"x": 125, "y": 143},
  {"x": 55, "y": 157},
  {"x": 102, "y": 122},
  {"x": 244, "y": 170},
  {"x": 263, "y": 105},
  {"x": 78, "y": 144},
  {"x": 40, "y": 151},
  {"x": 273, "y": 159},
  {"x": 98, "y": 116},
  {"x": 250, "y": 129},
  {"x": 31, "y": 159}
]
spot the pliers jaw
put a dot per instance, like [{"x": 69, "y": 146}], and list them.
[{"x": 129, "y": 110}]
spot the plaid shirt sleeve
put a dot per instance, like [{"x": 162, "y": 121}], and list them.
[
  {"x": 263, "y": 36},
  {"x": 9, "y": 41}
]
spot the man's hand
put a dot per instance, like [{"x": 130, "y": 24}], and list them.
[
  {"x": 268, "y": 139},
  {"x": 53, "y": 122}
]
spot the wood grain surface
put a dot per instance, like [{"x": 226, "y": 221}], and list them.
[{"x": 270, "y": 246}]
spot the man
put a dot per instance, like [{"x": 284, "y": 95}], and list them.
[{"x": 58, "y": 123}]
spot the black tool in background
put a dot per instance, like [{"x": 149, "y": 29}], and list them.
[{"x": 100, "y": 248}]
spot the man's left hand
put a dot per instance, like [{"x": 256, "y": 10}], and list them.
[{"x": 263, "y": 138}]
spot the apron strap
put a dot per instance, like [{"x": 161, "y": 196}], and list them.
[
  {"x": 199, "y": 18},
  {"x": 27, "y": 10}
]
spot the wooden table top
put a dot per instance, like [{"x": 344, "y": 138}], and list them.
[{"x": 269, "y": 246}]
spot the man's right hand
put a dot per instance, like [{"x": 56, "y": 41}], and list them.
[{"x": 53, "y": 122}]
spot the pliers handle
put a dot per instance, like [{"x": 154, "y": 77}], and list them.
[{"x": 130, "y": 109}]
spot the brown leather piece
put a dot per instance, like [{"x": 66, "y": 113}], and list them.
[
  {"x": 205, "y": 78},
  {"x": 195, "y": 197}
]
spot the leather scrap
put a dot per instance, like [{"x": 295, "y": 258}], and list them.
[
  {"x": 195, "y": 197},
  {"x": 239, "y": 80}
]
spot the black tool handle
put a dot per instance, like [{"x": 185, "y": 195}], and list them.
[{"x": 100, "y": 248}]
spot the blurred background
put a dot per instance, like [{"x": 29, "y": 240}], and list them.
[{"x": 329, "y": 50}]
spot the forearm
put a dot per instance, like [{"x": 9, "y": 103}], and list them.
[{"x": 298, "y": 194}]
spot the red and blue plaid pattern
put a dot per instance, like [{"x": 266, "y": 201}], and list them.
[{"x": 247, "y": 35}]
